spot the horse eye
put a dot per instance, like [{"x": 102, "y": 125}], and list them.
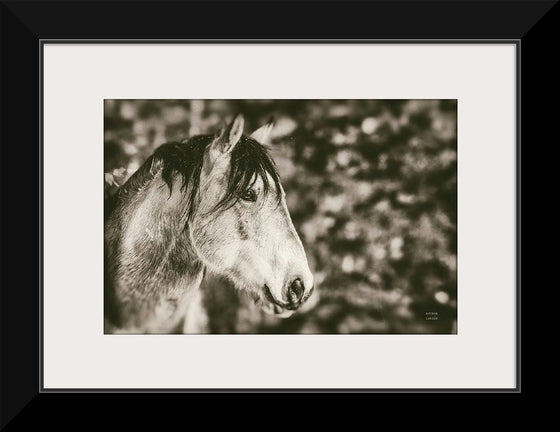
[{"x": 249, "y": 195}]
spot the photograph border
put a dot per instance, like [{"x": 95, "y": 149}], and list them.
[{"x": 514, "y": 42}]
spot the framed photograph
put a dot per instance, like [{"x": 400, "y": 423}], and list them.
[{"x": 225, "y": 210}]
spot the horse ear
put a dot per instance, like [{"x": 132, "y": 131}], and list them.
[
  {"x": 229, "y": 135},
  {"x": 262, "y": 134}
]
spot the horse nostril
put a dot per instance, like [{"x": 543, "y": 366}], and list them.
[{"x": 296, "y": 290}]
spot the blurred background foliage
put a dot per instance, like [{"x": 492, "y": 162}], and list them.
[{"x": 372, "y": 189}]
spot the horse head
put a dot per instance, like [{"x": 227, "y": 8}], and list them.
[{"x": 241, "y": 228}]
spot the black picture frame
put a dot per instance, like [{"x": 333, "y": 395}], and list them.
[{"x": 27, "y": 26}]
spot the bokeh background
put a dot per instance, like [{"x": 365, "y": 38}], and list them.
[{"x": 372, "y": 189}]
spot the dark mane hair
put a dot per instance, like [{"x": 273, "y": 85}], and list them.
[{"x": 249, "y": 161}]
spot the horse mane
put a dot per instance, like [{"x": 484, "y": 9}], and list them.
[{"x": 249, "y": 161}]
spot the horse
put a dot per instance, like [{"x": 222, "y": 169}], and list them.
[{"x": 212, "y": 202}]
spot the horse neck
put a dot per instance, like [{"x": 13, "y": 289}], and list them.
[{"x": 150, "y": 248}]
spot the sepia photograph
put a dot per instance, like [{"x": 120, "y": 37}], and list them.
[{"x": 280, "y": 216}]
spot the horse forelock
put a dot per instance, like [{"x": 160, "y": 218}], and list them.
[{"x": 250, "y": 160}]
